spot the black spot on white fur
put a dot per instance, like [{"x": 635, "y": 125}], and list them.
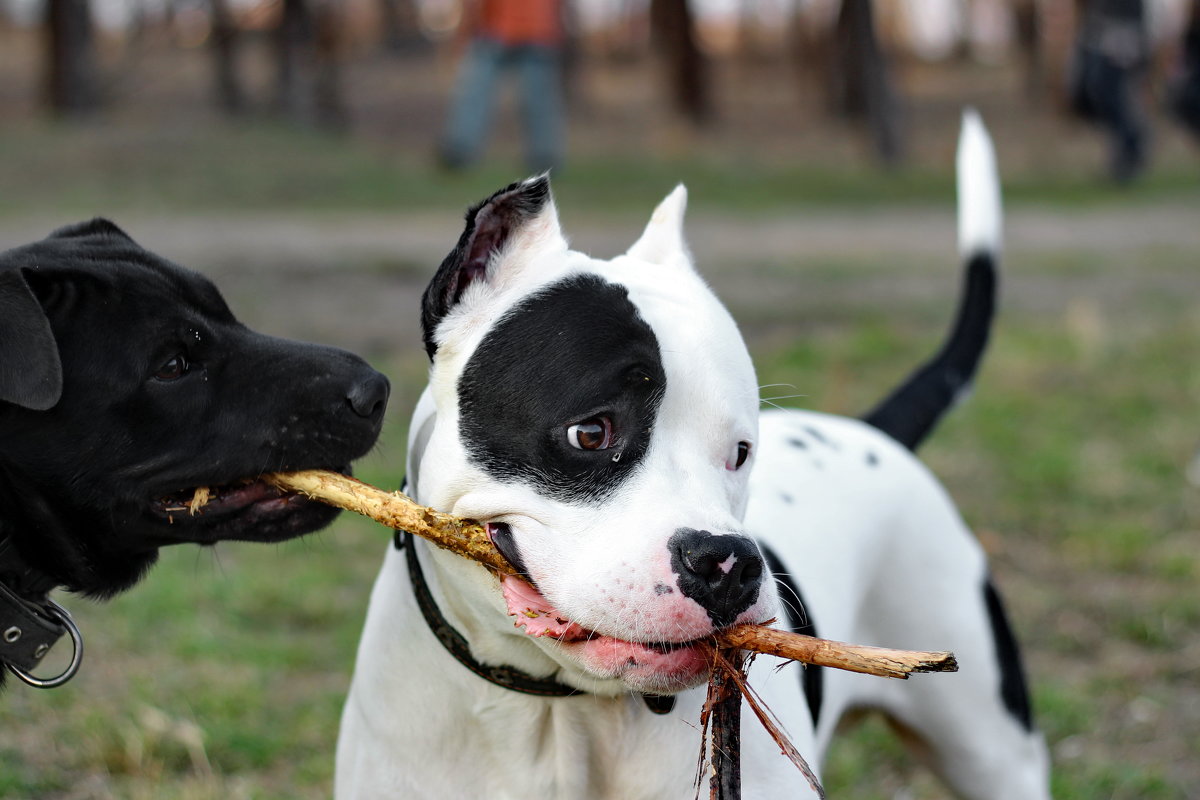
[
  {"x": 1013, "y": 689},
  {"x": 799, "y": 621},
  {"x": 820, "y": 437},
  {"x": 575, "y": 350}
]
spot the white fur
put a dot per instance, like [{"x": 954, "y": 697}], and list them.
[
  {"x": 876, "y": 546},
  {"x": 979, "y": 210}
]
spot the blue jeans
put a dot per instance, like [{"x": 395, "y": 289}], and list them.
[{"x": 537, "y": 66}]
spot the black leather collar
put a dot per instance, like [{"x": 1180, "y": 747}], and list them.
[
  {"x": 30, "y": 622},
  {"x": 456, "y": 644}
]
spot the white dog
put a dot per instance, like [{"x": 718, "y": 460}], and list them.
[{"x": 602, "y": 417}]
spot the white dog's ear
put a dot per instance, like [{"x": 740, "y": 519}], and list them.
[
  {"x": 503, "y": 234},
  {"x": 662, "y": 241}
]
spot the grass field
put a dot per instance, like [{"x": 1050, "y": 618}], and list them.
[{"x": 222, "y": 674}]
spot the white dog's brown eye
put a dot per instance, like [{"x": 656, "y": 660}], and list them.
[
  {"x": 743, "y": 452},
  {"x": 172, "y": 369},
  {"x": 591, "y": 434}
]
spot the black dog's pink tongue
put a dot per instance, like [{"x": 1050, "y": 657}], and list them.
[{"x": 535, "y": 614}]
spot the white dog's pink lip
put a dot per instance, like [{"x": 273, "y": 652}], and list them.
[
  {"x": 656, "y": 667},
  {"x": 535, "y": 614},
  {"x": 538, "y": 617}
]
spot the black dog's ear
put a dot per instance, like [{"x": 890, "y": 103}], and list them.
[
  {"x": 521, "y": 214},
  {"x": 93, "y": 227},
  {"x": 30, "y": 371}
]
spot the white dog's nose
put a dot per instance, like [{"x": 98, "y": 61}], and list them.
[{"x": 721, "y": 573}]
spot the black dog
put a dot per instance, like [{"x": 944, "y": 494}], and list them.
[{"x": 125, "y": 385}]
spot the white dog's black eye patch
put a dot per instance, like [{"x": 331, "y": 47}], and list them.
[{"x": 571, "y": 352}]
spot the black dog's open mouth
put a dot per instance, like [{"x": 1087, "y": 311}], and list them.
[
  {"x": 217, "y": 501},
  {"x": 250, "y": 509}
]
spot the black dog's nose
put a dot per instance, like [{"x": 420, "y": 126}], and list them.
[
  {"x": 369, "y": 395},
  {"x": 721, "y": 573}
]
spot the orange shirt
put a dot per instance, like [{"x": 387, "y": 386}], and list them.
[{"x": 522, "y": 21}]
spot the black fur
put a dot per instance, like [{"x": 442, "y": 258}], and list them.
[
  {"x": 115, "y": 421},
  {"x": 573, "y": 351},
  {"x": 913, "y": 410},
  {"x": 30, "y": 376},
  {"x": 799, "y": 621},
  {"x": 489, "y": 225},
  {"x": 1013, "y": 687}
]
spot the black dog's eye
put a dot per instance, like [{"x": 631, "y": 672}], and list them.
[
  {"x": 591, "y": 434},
  {"x": 743, "y": 452},
  {"x": 173, "y": 369}
]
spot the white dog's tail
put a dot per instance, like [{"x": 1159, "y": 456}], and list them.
[{"x": 914, "y": 408}]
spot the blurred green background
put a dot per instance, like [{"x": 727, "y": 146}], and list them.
[{"x": 222, "y": 674}]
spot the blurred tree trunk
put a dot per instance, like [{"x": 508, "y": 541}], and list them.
[
  {"x": 224, "y": 42},
  {"x": 70, "y": 58},
  {"x": 859, "y": 78},
  {"x": 308, "y": 87},
  {"x": 401, "y": 25},
  {"x": 673, "y": 34},
  {"x": 1029, "y": 44},
  {"x": 327, "y": 79},
  {"x": 810, "y": 53},
  {"x": 294, "y": 53}
]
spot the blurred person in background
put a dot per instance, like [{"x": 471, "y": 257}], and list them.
[
  {"x": 1112, "y": 51},
  {"x": 1185, "y": 92},
  {"x": 523, "y": 36}
]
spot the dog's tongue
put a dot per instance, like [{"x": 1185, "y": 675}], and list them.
[{"x": 535, "y": 614}]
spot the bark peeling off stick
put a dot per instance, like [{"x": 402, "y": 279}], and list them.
[
  {"x": 463, "y": 537},
  {"x": 470, "y": 540},
  {"x": 723, "y": 710},
  {"x": 199, "y": 500}
]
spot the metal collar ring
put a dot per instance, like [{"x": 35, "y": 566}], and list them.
[{"x": 64, "y": 618}]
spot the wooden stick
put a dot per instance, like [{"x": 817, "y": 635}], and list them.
[
  {"x": 464, "y": 537},
  {"x": 737, "y": 674},
  {"x": 470, "y": 540},
  {"x": 722, "y": 717},
  {"x": 881, "y": 661}
]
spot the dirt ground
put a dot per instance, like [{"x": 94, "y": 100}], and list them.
[{"x": 356, "y": 279}]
